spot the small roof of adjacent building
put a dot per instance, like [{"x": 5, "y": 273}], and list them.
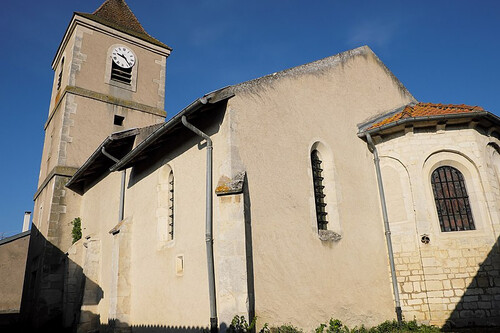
[
  {"x": 117, "y": 14},
  {"x": 426, "y": 110},
  {"x": 15, "y": 237},
  {"x": 425, "y": 113}
]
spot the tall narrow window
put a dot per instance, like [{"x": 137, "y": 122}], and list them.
[
  {"x": 59, "y": 77},
  {"x": 319, "y": 195},
  {"x": 452, "y": 201},
  {"x": 171, "y": 206}
]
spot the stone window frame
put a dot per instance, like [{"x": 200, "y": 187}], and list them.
[
  {"x": 163, "y": 204},
  {"x": 331, "y": 191},
  {"x": 109, "y": 62},
  {"x": 473, "y": 182}
]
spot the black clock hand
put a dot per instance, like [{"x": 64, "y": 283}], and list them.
[{"x": 121, "y": 55}]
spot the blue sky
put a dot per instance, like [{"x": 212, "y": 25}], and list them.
[{"x": 442, "y": 51}]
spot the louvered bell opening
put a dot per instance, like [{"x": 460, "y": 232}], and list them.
[
  {"x": 123, "y": 75},
  {"x": 319, "y": 195}
]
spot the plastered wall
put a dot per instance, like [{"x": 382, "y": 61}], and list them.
[{"x": 300, "y": 279}]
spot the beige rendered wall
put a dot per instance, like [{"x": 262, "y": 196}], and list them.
[
  {"x": 12, "y": 266},
  {"x": 91, "y": 73},
  {"x": 452, "y": 278},
  {"x": 138, "y": 273},
  {"x": 178, "y": 298},
  {"x": 268, "y": 132},
  {"x": 300, "y": 279}
]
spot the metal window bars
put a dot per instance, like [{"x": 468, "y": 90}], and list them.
[
  {"x": 319, "y": 195},
  {"x": 171, "y": 208},
  {"x": 452, "y": 202}
]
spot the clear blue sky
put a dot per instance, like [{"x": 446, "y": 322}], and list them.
[{"x": 442, "y": 51}]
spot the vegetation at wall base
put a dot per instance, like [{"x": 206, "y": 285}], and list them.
[
  {"x": 240, "y": 325},
  {"x": 76, "y": 232}
]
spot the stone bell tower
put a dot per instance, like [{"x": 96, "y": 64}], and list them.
[{"x": 109, "y": 75}]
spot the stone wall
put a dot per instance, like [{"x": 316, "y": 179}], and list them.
[{"x": 454, "y": 278}]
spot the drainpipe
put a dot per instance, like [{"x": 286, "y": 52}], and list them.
[
  {"x": 208, "y": 224},
  {"x": 122, "y": 190},
  {"x": 395, "y": 288}
]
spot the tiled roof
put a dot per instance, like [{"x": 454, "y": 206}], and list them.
[
  {"x": 426, "y": 110},
  {"x": 116, "y": 14}
]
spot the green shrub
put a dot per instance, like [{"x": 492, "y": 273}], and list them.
[
  {"x": 286, "y": 328},
  {"x": 336, "y": 326},
  {"x": 240, "y": 325},
  {"x": 77, "y": 229}
]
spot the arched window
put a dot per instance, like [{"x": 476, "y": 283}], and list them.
[
  {"x": 319, "y": 195},
  {"x": 452, "y": 201},
  {"x": 171, "y": 206}
]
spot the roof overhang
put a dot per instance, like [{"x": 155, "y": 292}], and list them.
[
  {"x": 484, "y": 119},
  {"x": 167, "y": 131},
  {"x": 117, "y": 144}
]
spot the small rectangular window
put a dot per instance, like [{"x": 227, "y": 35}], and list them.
[{"x": 118, "y": 120}]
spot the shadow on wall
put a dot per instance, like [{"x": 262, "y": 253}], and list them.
[
  {"x": 53, "y": 291},
  {"x": 479, "y": 303},
  {"x": 115, "y": 326}
]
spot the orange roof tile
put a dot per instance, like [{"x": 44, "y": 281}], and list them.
[{"x": 427, "y": 110}]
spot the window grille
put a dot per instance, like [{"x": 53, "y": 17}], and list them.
[
  {"x": 319, "y": 195},
  {"x": 171, "y": 206},
  {"x": 452, "y": 201},
  {"x": 123, "y": 75}
]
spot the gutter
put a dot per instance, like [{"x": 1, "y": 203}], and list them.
[
  {"x": 387, "y": 229},
  {"x": 122, "y": 189},
  {"x": 208, "y": 219}
]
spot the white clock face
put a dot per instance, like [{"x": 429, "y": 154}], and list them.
[{"x": 123, "y": 57}]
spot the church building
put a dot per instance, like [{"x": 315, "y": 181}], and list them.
[{"x": 322, "y": 191}]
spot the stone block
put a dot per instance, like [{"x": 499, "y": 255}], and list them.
[
  {"x": 435, "y": 293},
  {"x": 446, "y": 284},
  {"x": 471, "y": 299},
  {"x": 414, "y": 301},
  {"x": 438, "y": 307},
  {"x": 484, "y": 305},
  {"x": 407, "y": 287},
  {"x": 448, "y": 293},
  {"x": 458, "y": 283},
  {"x": 434, "y": 285}
]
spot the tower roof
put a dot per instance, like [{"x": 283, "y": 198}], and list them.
[{"x": 117, "y": 14}]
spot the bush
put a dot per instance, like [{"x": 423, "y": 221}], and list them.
[
  {"x": 336, "y": 326},
  {"x": 77, "y": 229},
  {"x": 240, "y": 325}
]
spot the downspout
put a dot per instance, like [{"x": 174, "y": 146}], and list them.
[
  {"x": 122, "y": 190},
  {"x": 208, "y": 224},
  {"x": 395, "y": 288}
]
